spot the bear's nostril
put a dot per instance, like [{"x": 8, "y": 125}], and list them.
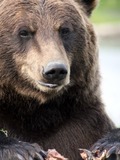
[
  {"x": 63, "y": 72},
  {"x": 55, "y": 71},
  {"x": 51, "y": 72}
]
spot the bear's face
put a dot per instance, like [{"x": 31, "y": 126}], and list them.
[{"x": 45, "y": 46}]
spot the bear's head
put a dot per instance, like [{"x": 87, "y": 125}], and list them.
[{"x": 46, "y": 46}]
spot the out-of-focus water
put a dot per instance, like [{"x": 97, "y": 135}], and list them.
[{"x": 110, "y": 71}]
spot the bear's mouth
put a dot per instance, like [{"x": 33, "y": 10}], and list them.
[{"x": 48, "y": 85}]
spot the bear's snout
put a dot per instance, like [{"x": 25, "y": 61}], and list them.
[{"x": 54, "y": 72}]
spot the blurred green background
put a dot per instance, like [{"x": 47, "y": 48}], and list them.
[
  {"x": 106, "y": 20},
  {"x": 108, "y": 11}
]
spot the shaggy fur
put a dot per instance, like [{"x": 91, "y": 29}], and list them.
[{"x": 66, "y": 117}]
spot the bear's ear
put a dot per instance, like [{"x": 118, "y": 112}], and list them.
[{"x": 89, "y": 5}]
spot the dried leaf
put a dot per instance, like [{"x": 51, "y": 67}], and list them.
[
  {"x": 54, "y": 155},
  {"x": 88, "y": 155}
]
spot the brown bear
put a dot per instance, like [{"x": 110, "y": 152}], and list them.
[{"x": 49, "y": 78}]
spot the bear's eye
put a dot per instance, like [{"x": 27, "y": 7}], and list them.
[
  {"x": 25, "y": 33},
  {"x": 64, "y": 31}
]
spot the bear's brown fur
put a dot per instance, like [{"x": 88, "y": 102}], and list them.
[{"x": 63, "y": 114}]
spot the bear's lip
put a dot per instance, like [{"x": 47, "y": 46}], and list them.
[{"x": 49, "y": 85}]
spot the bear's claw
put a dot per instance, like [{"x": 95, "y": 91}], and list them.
[
  {"x": 21, "y": 151},
  {"x": 102, "y": 152}
]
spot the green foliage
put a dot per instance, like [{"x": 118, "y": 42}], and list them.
[{"x": 107, "y": 11}]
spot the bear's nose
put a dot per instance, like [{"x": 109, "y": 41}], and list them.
[{"x": 55, "y": 71}]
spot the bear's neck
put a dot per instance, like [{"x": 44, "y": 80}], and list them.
[{"x": 18, "y": 114}]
